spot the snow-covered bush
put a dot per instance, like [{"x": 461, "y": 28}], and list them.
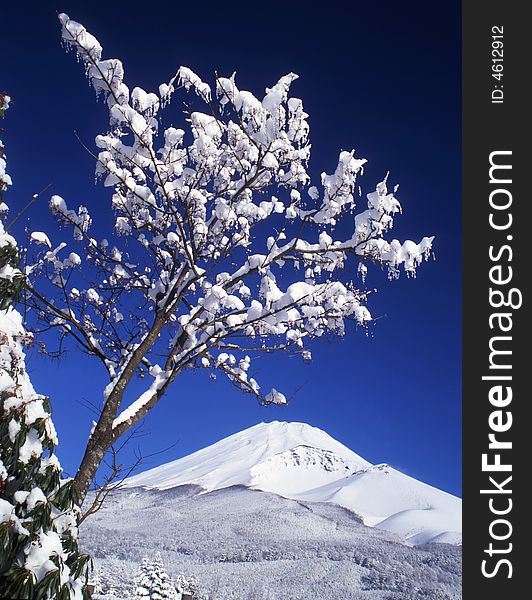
[
  {"x": 153, "y": 583},
  {"x": 221, "y": 247},
  {"x": 39, "y": 557}
]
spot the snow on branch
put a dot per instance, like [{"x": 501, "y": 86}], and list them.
[
  {"x": 218, "y": 234},
  {"x": 5, "y": 179}
]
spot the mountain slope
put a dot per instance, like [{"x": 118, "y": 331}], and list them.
[
  {"x": 298, "y": 461},
  {"x": 388, "y": 499},
  {"x": 245, "y": 544}
]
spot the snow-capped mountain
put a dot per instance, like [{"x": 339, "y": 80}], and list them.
[{"x": 301, "y": 462}]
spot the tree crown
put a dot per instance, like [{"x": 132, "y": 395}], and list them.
[{"x": 221, "y": 246}]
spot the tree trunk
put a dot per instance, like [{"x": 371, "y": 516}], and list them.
[
  {"x": 92, "y": 459},
  {"x": 103, "y": 436}
]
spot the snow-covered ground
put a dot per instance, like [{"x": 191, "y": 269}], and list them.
[{"x": 301, "y": 462}]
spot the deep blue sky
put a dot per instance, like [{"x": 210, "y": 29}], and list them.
[{"x": 381, "y": 77}]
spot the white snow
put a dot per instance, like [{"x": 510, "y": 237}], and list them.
[
  {"x": 298, "y": 461},
  {"x": 7, "y": 514},
  {"x": 160, "y": 378},
  {"x": 39, "y": 553},
  {"x": 390, "y": 500},
  {"x": 242, "y": 458},
  {"x": 41, "y": 238}
]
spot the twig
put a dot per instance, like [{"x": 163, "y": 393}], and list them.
[{"x": 34, "y": 198}]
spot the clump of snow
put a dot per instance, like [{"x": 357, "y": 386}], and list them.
[
  {"x": 40, "y": 238},
  {"x": 39, "y": 553}
]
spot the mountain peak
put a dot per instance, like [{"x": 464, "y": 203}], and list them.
[
  {"x": 280, "y": 427},
  {"x": 236, "y": 459}
]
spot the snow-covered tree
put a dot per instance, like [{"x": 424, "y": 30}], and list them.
[
  {"x": 152, "y": 582},
  {"x": 189, "y": 587},
  {"x": 221, "y": 247},
  {"x": 39, "y": 557}
]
